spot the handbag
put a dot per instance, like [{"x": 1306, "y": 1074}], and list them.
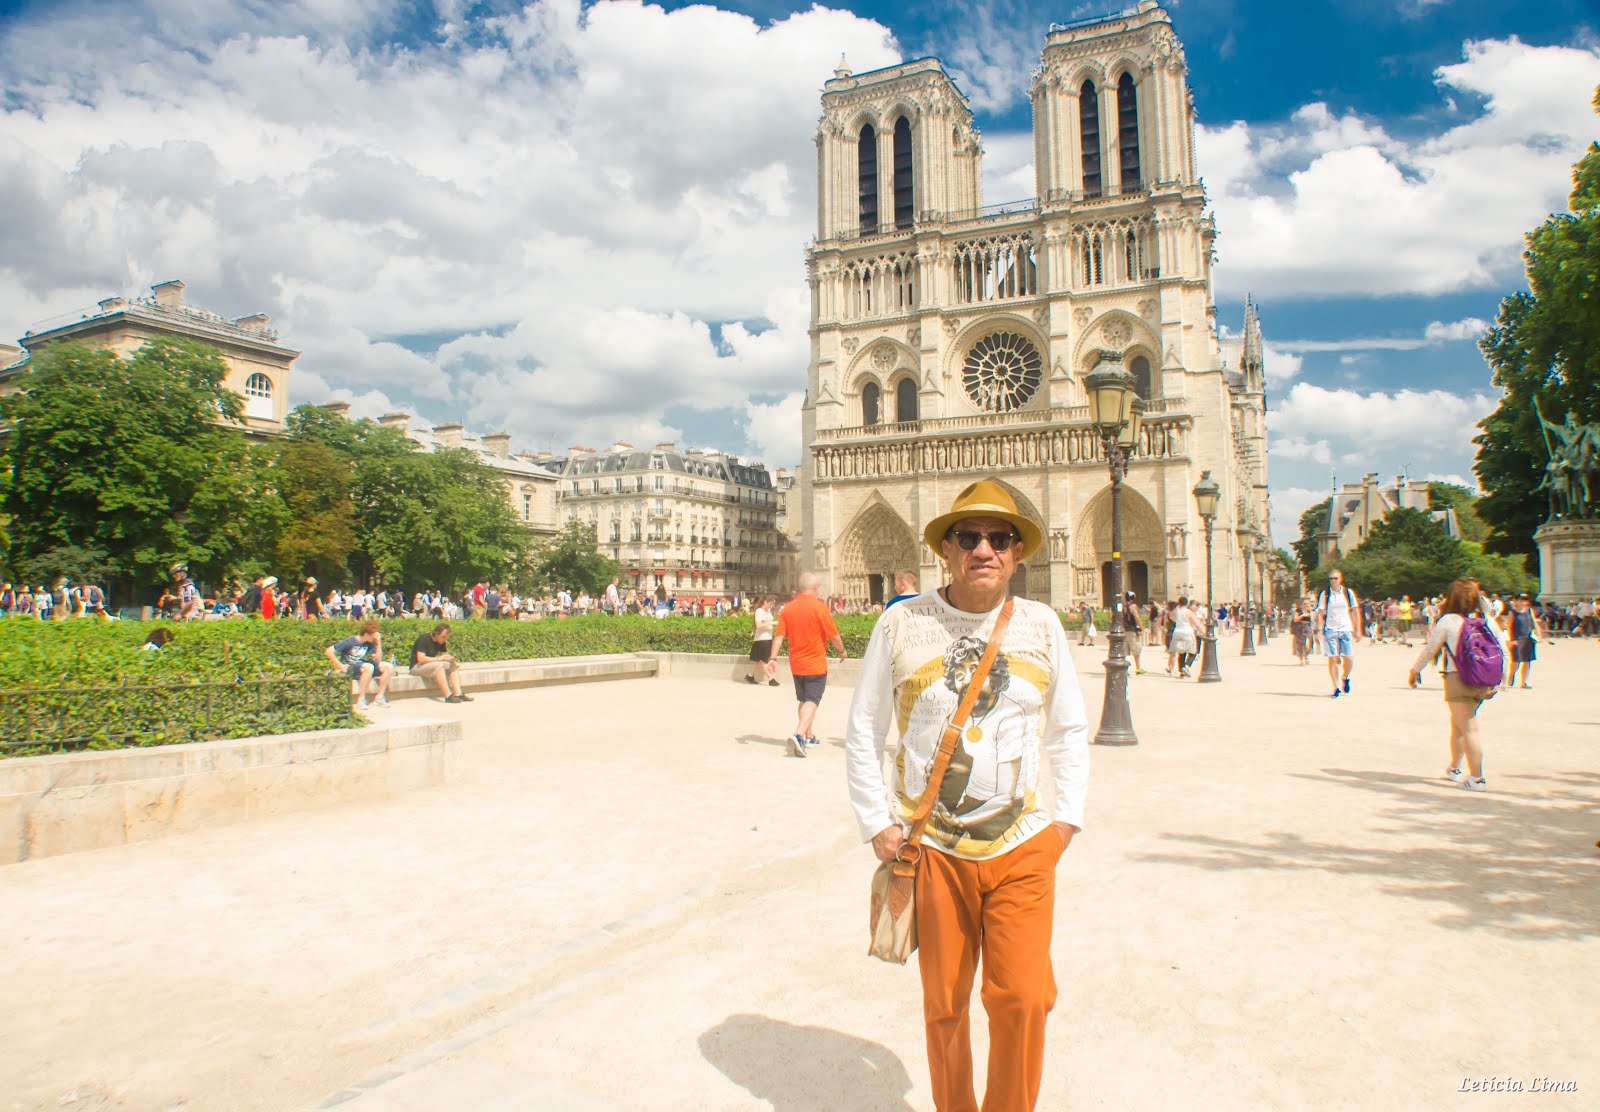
[{"x": 892, "y": 919}]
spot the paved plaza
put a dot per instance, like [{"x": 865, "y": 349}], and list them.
[{"x": 634, "y": 899}]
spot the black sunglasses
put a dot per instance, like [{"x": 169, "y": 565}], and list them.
[{"x": 968, "y": 539}]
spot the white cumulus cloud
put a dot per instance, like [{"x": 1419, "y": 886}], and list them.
[
  {"x": 563, "y": 220},
  {"x": 1329, "y": 204}
]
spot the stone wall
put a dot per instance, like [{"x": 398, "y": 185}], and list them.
[{"x": 67, "y": 802}]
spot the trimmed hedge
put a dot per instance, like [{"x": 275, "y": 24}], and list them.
[{"x": 98, "y": 661}]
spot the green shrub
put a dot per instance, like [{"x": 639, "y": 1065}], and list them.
[{"x": 43, "y": 657}]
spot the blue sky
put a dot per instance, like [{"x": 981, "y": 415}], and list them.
[{"x": 586, "y": 222}]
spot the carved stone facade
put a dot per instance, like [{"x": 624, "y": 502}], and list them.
[{"x": 950, "y": 341}]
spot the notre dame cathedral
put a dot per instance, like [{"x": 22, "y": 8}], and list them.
[{"x": 949, "y": 340}]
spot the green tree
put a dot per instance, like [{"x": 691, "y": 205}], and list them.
[
  {"x": 1311, "y": 522},
  {"x": 1453, "y": 496},
  {"x": 128, "y": 456},
  {"x": 1544, "y": 346},
  {"x": 315, "y": 511},
  {"x": 573, "y": 560},
  {"x": 1407, "y": 553},
  {"x": 440, "y": 519}
]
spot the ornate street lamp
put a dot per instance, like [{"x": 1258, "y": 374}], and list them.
[
  {"x": 1115, "y": 411},
  {"x": 1206, "y": 494},
  {"x": 1247, "y": 544}
]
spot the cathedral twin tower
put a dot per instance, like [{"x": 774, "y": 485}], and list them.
[{"x": 949, "y": 340}]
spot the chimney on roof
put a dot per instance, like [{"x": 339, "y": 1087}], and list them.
[
  {"x": 169, "y": 294},
  {"x": 621, "y": 446},
  {"x": 338, "y": 409},
  {"x": 256, "y": 322},
  {"x": 543, "y": 454},
  {"x": 449, "y": 435},
  {"x": 395, "y": 420},
  {"x": 113, "y": 304},
  {"x": 667, "y": 446},
  {"x": 498, "y": 444}
]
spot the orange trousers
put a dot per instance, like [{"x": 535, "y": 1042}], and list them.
[{"x": 1002, "y": 908}]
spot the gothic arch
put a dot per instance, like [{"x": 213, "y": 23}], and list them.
[
  {"x": 1124, "y": 64},
  {"x": 871, "y": 362},
  {"x": 1137, "y": 334},
  {"x": 861, "y": 119},
  {"x": 897, "y": 108},
  {"x": 875, "y": 545},
  {"x": 1087, "y": 71},
  {"x": 1143, "y": 540}
]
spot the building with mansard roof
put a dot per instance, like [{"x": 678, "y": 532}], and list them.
[
  {"x": 949, "y": 339},
  {"x": 258, "y": 365},
  {"x": 694, "y": 522}
]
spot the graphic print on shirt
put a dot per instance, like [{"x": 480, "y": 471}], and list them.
[{"x": 986, "y": 801}]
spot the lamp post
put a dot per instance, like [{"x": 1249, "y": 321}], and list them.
[
  {"x": 1206, "y": 493},
  {"x": 1266, "y": 554},
  {"x": 1115, "y": 411},
  {"x": 1247, "y": 543}
]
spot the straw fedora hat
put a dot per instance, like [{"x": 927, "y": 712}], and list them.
[{"x": 986, "y": 498}]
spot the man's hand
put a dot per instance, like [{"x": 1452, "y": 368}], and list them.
[
  {"x": 1066, "y": 830},
  {"x": 886, "y": 842}
]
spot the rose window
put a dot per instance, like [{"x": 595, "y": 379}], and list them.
[{"x": 1002, "y": 372}]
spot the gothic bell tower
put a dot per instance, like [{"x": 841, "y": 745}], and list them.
[{"x": 949, "y": 339}]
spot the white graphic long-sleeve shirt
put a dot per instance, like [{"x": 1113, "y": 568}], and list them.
[{"x": 917, "y": 665}]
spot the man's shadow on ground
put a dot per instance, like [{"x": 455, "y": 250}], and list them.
[{"x": 806, "y": 1069}]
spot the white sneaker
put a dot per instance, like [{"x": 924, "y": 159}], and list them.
[
  {"x": 381, "y": 701},
  {"x": 361, "y": 704},
  {"x": 1454, "y": 774},
  {"x": 1476, "y": 784}
]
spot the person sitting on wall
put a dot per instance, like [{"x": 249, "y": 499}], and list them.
[
  {"x": 430, "y": 661},
  {"x": 361, "y": 657}
]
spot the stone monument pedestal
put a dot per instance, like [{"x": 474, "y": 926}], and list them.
[{"x": 1569, "y": 560}]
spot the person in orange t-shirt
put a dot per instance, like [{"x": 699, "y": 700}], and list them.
[{"x": 808, "y": 626}]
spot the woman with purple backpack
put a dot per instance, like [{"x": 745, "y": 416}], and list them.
[{"x": 1471, "y": 653}]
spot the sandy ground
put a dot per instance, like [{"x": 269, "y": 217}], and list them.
[{"x": 635, "y": 899}]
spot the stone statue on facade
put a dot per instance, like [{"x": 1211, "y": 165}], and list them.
[{"x": 1572, "y": 474}]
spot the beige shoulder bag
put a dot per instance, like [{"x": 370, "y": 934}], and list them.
[{"x": 894, "y": 884}]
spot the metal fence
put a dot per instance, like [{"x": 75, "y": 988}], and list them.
[{"x": 59, "y": 719}]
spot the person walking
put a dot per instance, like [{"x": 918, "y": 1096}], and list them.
[
  {"x": 1337, "y": 608},
  {"x": 1086, "y": 630},
  {"x": 1444, "y": 644},
  {"x": 761, "y": 644},
  {"x": 985, "y": 871},
  {"x": 808, "y": 625},
  {"x": 1526, "y": 631},
  {"x": 1131, "y": 634},
  {"x": 1185, "y": 642}
]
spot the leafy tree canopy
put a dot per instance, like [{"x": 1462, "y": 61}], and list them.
[
  {"x": 127, "y": 456},
  {"x": 1544, "y": 347},
  {"x": 571, "y": 560},
  {"x": 1311, "y": 522},
  {"x": 1453, "y": 496}
]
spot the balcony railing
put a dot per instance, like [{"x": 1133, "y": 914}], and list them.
[{"x": 935, "y": 426}]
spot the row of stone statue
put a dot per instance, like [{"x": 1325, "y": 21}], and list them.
[{"x": 1572, "y": 475}]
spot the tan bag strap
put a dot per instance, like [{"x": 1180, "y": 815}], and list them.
[{"x": 910, "y": 851}]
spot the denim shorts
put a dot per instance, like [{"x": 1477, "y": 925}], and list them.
[{"x": 1336, "y": 643}]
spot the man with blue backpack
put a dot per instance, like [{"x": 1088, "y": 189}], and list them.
[{"x": 1337, "y": 612}]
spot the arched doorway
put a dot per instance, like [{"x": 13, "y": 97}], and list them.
[
  {"x": 874, "y": 546},
  {"x": 1144, "y": 561}
]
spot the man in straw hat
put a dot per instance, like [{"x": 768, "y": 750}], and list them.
[{"x": 989, "y": 884}]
